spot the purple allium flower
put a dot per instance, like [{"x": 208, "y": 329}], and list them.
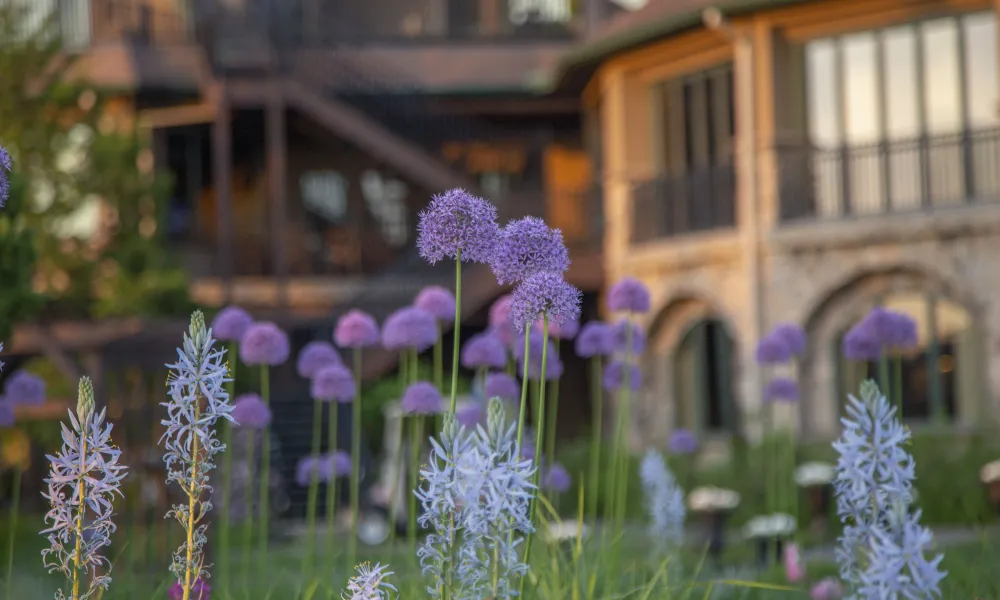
[
  {"x": 356, "y": 329},
  {"x": 197, "y": 401},
  {"x": 500, "y": 323},
  {"x": 231, "y": 323},
  {"x": 621, "y": 332},
  {"x": 471, "y": 415},
  {"x": 882, "y": 323},
  {"x": 534, "y": 347},
  {"x": 595, "y": 339},
  {"x": 24, "y": 389},
  {"x": 333, "y": 382},
  {"x": 456, "y": 223},
  {"x": 314, "y": 356},
  {"x": 630, "y": 295},
  {"x": 614, "y": 376},
  {"x": 553, "y": 366},
  {"x": 772, "y": 350},
  {"x": 310, "y": 467},
  {"x": 422, "y": 398},
  {"x": 793, "y": 337},
  {"x": 7, "y": 418},
  {"x": 557, "y": 479},
  {"x": 250, "y": 412},
  {"x": 369, "y": 584},
  {"x": 503, "y": 386},
  {"x": 897, "y": 567},
  {"x": 484, "y": 350},
  {"x": 861, "y": 343},
  {"x": 410, "y": 328},
  {"x": 683, "y": 441},
  {"x": 85, "y": 471},
  {"x": 5, "y": 166},
  {"x": 438, "y": 301},
  {"x": 528, "y": 246},
  {"x": 664, "y": 500},
  {"x": 566, "y": 330},
  {"x": 827, "y": 589},
  {"x": 781, "y": 389},
  {"x": 200, "y": 590},
  {"x": 904, "y": 332},
  {"x": 340, "y": 463},
  {"x": 544, "y": 294},
  {"x": 264, "y": 344}
]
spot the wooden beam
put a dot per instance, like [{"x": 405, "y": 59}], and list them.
[
  {"x": 178, "y": 116},
  {"x": 277, "y": 175}
]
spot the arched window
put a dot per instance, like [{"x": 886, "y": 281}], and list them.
[
  {"x": 703, "y": 378},
  {"x": 939, "y": 378}
]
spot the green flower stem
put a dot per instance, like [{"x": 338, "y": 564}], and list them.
[
  {"x": 457, "y": 326},
  {"x": 550, "y": 418},
  {"x": 416, "y": 431},
  {"x": 398, "y": 458},
  {"x": 439, "y": 362},
  {"x": 248, "y": 499},
  {"x": 524, "y": 387},
  {"x": 597, "y": 406},
  {"x": 539, "y": 439},
  {"x": 265, "y": 472},
  {"x": 767, "y": 425},
  {"x": 331, "y": 483},
  {"x": 883, "y": 373},
  {"x": 355, "y": 461},
  {"x": 227, "y": 476},
  {"x": 897, "y": 391},
  {"x": 317, "y": 434},
  {"x": 15, "y": 509}
]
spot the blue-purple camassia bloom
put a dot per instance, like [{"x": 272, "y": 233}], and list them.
[
  {"x": 457, "y": 224},
  {"x": 369, "y": 584},
  {"x": 664, "y": 500},
  {"x": 528, "y": 246},
  {"x": 438, "y": 301},
  {"x": 543, "y": 295},
  {"x": 84, "y": 476},
  {"x": 475, "y": 500},
  {"x": 197, "y": 401},
  {"x": 881, "y": 550}
]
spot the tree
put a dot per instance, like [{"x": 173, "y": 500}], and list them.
[{"x": 84, "y": 194}]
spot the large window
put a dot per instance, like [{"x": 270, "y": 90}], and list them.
[
  {"x": 703, "y": 382},
  {"x": 904, "y": 117},
  {"x": 940, "y": 376}
]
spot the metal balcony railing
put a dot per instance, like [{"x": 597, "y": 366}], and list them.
[{"x": 701, "y": 199}]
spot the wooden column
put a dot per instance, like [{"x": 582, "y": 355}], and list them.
[
  {"x": 222, "y": 165},
  {"x": 195, "y": 179},
  {"x": 277, "y": 175}
]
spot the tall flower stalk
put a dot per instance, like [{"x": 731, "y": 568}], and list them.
[
  {"x": 84, "y": 476},
  {"x": 355, "y": 330},
  {"x": 251, "y": 415},
  {"x": 197, "y": 401},
  {"x": 595, "y": 341},
  {"x": 229, "y": 326}
]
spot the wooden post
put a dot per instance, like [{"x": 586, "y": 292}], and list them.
[
  {"x": 277, "y": 148},
  {"x": 222, "y": 175}
]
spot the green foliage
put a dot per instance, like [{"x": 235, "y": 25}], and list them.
[{"x": 18, "y": 257}]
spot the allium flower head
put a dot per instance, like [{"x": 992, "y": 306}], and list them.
[
  {"x": 369, "y": 584},
  {"x": 333, "y": 382},
  {"x": 772, "y": 350},
  {"x": 484, "y": 350},
  {"x": 683, "y": 441},
  {"x": 528, "y": 246},
  {"x": 535, "y": 339},
  {"x": 543, "y": 294},
  {"x": 200, "y": 590},
  {"x": 7, "y": 418},
  {"x": 410, "y": 328},
  {"x": 197, "y": 401},
  {"x": 5, "y": 166},
  {"x": 629, "y": 295},
  {"x": 553, "y": 367},
  {"x": 264, "y": 344},
  {"x": 500, "y": 311},
  {"x": 471, "y": 415},
  {"x": 615, "y": 378},
  {"x": 623, "y": 329},
  {"x": 24, "y": 389},
  {"x": 905, "y": 334},
  {"x": 456, "y": 223},
  {"x": 861, "y": 343},
  {"x": 339, "y": 463},
  {"x": 250, "y": 412},
  {"x": 356, "y": 329},
  {"x": 422, "y": 398},
  {"x": 438, "y": 301},
  {"x": 503, "y": 386},
  {"x": 314, "y": 356},
  {"x": 310, "y": 467},
  {"x": 792, "y": 336},
  {"x": 84, "y": 476},
  {"x": 557, "y": 479},
  {"x": 664, "y": 500},
  {"x": 595, "y": 339},
  {"x": 231, "y": 323},
  {"x": 781, "y": 389},
  {"x": 566, "y": 330}
]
